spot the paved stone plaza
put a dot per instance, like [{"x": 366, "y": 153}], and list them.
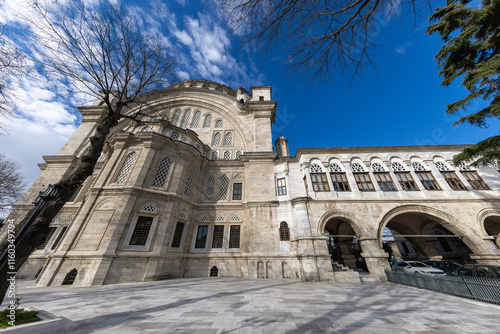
[{"x": 232, "y": 305}]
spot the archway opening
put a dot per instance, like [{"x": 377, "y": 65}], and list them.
[
  {"x": 492, "y": 228},
  {"x": 343, "y": 245},
  {"x": 421, "y": 237}
]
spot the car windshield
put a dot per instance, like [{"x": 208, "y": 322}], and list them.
[{"x": 418, "y": 264}]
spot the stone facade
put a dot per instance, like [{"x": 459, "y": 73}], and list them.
[{"x": 199, "y": 191}]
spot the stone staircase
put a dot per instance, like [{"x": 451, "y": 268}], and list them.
[{"x": 343, "y": 274}]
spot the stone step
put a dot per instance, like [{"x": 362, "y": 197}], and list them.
[{"x": 367, "y": 278}]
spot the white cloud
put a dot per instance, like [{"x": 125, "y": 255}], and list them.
[
  {"x": 181, "y": 2},
  {"x": 402, "y": 48}
]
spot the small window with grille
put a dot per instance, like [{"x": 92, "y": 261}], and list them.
[
  {"x": 284, "y": 232},
  {"x": 176, "y": 240},
  {"x": 161, "y": 173},
  {"x": 224, "y": 184},
  {"x": 207, "y": 122},
  {"x": 196, "y": 119},
  {"x": 218, "y": 236},
  {"x": 209, "y": 188},
  {"x": 70, "y": 277},
  {"x": 126, "y": 168},
  {"x": 141, "y": 231},
  {"x": 201, "y": 236}
]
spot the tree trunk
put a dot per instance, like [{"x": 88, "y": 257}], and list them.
[{"x": 39, "y": 229}]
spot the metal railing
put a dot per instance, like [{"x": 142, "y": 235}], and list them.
[{"x": 478, "y": 288}]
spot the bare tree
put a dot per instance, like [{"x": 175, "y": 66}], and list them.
[
  {"x": 320, "y": 37},
  {"x": 11, "y": 183},
  {"x": 12, "y": 64},
  {"x": 103, "y": 52}
]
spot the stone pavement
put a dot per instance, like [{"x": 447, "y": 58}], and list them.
[{"x": 235, "y": 305}]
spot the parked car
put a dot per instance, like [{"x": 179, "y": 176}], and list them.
[
  {"x": 446, "y": 266},
  {"x": 417, "y": 267},
  {"x": 478, "y": 270}
]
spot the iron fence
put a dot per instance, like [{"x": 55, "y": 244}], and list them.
[{"x": 478, "y": 288}]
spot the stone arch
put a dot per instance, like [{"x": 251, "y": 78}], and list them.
[
  {"x": 360, "y": 228},
  {"x": 446, "y": 220},
  {"x": 260, "y": 269},
  {"x": 489, "y": 222}
]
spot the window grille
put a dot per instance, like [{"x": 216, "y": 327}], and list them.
[
  {"x": 397, "y": 167},
  {"x": 218, "y": 124},
  {"x": 428, "y": 181},
  {"x": 185, "y": 119},
  {"x": 218, "y": 236},
  {"x": 176, "y": 240},
  {"x": 284, "y": 232},
  {"x": 196, "y": 119},
  {"x": 183, "y": 215},
  {"x": 376, "y": 167},
  {"x": 339, "y": 181},
  {"x": 237, "y": 177},
  {"x": 441, "y": 166},
  {"x": 215, "y": 155},
  {"x": 52, "y": 230},
  {"x": 234, "y": 236},
  {"x": 238, "y": 154},
  {"x": 177, "y": 115},
  {"x": 335, "y": 168},
  {"x": 209, "y": 189},
  {"x": 204, "y": 218},
  {"x": 214, "y": 272},
  {"x": 207, "y": 122},
  {"x": 126, "y": 168},
  {"x": 319, "y": 182},
  {"x": 161, "y": 173},
  {"x": 237, "y": 191},
  {"x": 217, "y": 139},
  {"x": 149, "y": 208},
  {"x": 220, "y": 218},
  {"x": 235, "y": 218},
  {"x": 189, "y": 183},
  {"x": 102, "y": 157},
  {"x": 141, "y": 231},
  {"x": 58, "y": 239},
  {"x": 281, "y": 186},
  {"x": 145, "y": 129},
  {"x": 475, "y": 180},
  {"x": 364, "y": 182},
  {"x": 384, "y": 182},
  {"x": 228, "y": 139},
  {"x": 315, "y": 168},
  {"x": 418, "y": 167},
  {"x": 406, "y": 181},
  {"x": 224, "y": 184},
  {"x": 453, "y": 181},
  {"x": 355, "y": 167},
  {"x": 201, "y": 236},
  {"x": 463, "y": 166},
  {"x": 70, "y": 277},
  {"x": 227, "y": 155},
  {"x": 174, "y": 135}
]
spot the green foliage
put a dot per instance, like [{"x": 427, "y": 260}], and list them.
[
  {"x": 20, "y": 316},
  {"x": 471, "y": 52}
]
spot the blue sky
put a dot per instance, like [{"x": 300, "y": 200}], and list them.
[{"x": 399, "y": 102}]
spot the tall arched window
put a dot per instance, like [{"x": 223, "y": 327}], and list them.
[
  {"x": 189, "y": 183},
  {"x": 209, "y": 189},
  {"x": 126, "y": 168},
  {"x": 196, "y": 119},
  {"x": 207, "y": 122},
  {"x": 161, "y": 173},
  {"x": 177, "y": 115},
  {"x": 284, "y": 232},
  {"x": 227, "y": 155},
  {"x": 217, "y": 139},
  {"x": 224, "y": 184},
  {"x": 219, "y": 124},
  {"x": 228, "y": 139},
  {"x": 185, "y": 119}
]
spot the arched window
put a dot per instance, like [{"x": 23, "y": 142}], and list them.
[
  {"x": 161, "y": 173},
  {"x": 318, "y": 178},
  {"x": 219, "y": 124},
  {"x": 214, "y": 272},
  {"x": 441, "y": 166},
  {"x": 363, "y": 180},
  {"x": 189, "y": 183},
  {"x": 217, "y": 139},
  {"x": 284, "y": 232},
  {"x": 418, "y": 167},
  {"x": 224, "y": 184},
  {"x": 214, "y": 156},
  {"x": 209, "y": 189},
  {"x": 238, "y": 154},
  {"x": 376, "y": 167},
  {"x": 185, "y": 119},
  {"x": 397, "y": 167},
  {"x": 126, "y": 168},
  {"x": 355, "y": 167},
  {"x": 208, "y": 121},
  {"x": 228, "y": 139},
  {"x": 177, "y": 115},
  {"x": 70, "y": 277},
  {"x": 335, "y": 168},
  {"x": 196, "y": 119},
  {"x": 339, "y": 178},
  {"x": 227, "y": 155}
]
